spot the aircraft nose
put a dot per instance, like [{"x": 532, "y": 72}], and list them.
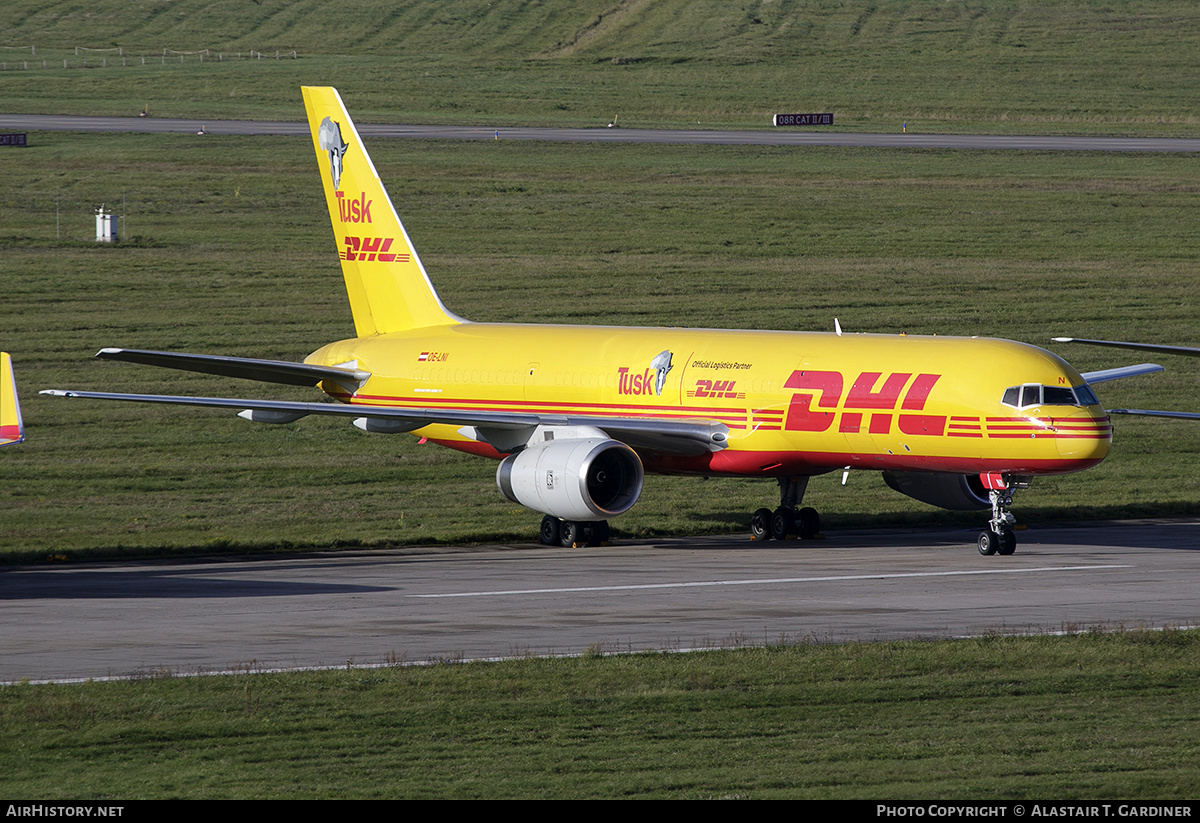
[{"x": 1084, "y": 438}]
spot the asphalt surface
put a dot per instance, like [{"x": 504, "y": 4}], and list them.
[
  {"x": 778, "y": 137},
  {"x": 65, "y": 622}
]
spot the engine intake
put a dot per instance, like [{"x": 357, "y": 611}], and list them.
[{"x": 589, "y": 478}]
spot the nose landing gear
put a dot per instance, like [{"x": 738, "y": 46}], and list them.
[{"x": 999, "y": 537}]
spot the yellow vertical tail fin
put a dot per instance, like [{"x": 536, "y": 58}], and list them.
[
  {"x": 12, "y": 428},
  {"x": 388, "y": 287}
]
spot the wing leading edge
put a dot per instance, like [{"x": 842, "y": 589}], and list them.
[
  {"x": 1186, "y": 351},
  {"x": 1151, "y": 413},
  {"x": 1104, "y": 375},
  {"x": 506, "y": 431}
]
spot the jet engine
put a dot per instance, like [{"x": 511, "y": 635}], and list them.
[
  {"x": 591, "y": 478},
  {"x": 960, "y": 492}
]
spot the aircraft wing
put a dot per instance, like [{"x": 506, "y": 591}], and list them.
[
  {"x": 1129, "y": 371},
  {"x": 662, "y": 434},
  {"x": 12, "y": 427},
  {"x": 1186, "y": 351},
  {"x": 1121, "y": 371},
  {"x": 268, "y": 371},
  {"x": 1147, "y": 413}
]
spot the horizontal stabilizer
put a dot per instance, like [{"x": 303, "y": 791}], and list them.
[
  {"x": 667, "y": 435},
  {"x": 267, "y": 371},
  {"x": 1124, "y": 371},
  {"x": 1186, "y": 351}
]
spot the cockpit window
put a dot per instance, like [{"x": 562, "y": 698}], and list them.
[
  {"x": 1085, "y": 395},
  {"x": 1057, "y": 396},
  {"x": 1031, "y": 394}
]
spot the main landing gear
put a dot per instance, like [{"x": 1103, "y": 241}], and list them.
[
  {"x": 999, "y": 537},
  {"x": 786, "y": 521},
  {"x": 572, "y": 534}
]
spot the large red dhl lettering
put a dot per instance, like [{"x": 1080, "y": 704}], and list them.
[{"x": 826, "y": 388}]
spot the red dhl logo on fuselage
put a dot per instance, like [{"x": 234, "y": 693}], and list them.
[
  {"x": 723, "y": 389},
  {"x": 879, "y": 406},
  {"x": 354, "y": 210},
  {"x": 827, "y": 387},
  {"x": 367, "y": 249}
]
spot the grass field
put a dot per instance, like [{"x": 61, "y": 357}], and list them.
[
  {"x": 1073, "y": 66},
  {"x": 1088, "y": 718}
]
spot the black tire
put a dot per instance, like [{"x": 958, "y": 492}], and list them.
[
  {"x": 570, "y": 534},
  {"x": 601, "y": 532},
  {"x": 808, "y": 523},
  {"x": 782, "y": 523},
  {"x": 760, "y": 524},
  {"x": 989, "y": 543},
  {"x": 1008, "y": 542},
  {"x": 551, "y": 531}
]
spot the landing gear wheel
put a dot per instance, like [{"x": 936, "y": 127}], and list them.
[
  {"x": 782, "y": 523},
  {"x": 551, "y": 531},
  {"x": 999, "y": 538},
  {"x": 808, "y": 523},
  {"x": 760, "y": 524},
  {"x": 990, "y": 542},
  {"x": 579, "y": 533}
]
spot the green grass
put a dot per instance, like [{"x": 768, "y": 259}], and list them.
[
  {"x": 231, "y": 253},
  {"x": 1092, "y": 717},
  {"x": 1113, "y": 67}
]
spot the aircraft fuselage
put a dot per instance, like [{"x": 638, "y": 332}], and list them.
[{"x": 795, "y": 403}]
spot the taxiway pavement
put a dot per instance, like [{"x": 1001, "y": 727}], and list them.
[
  {"x": 776, "y": 137},
  {"x": 68, "y": 621}
]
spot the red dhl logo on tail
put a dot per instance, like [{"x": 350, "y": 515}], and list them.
[{"x": 367, "y": 249}]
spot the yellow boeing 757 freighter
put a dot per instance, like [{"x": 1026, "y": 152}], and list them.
[{"x": 577, "y": 414}]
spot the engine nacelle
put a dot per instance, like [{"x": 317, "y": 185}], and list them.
[
  {"x": 589, "y": 478},
  {"x": 960, "y": 492}
]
